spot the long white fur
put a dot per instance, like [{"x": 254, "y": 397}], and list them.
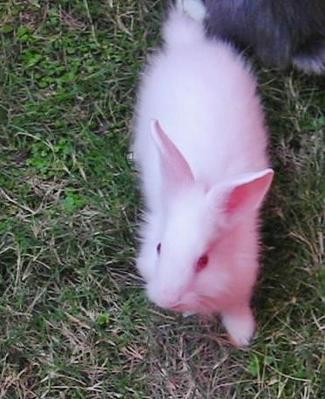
[
  {"x": 193, "y": 8},
  {"x": 204, "y": 94}
]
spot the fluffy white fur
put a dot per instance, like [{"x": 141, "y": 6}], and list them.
[
  {"x": 204, "y": 172},
  {"x": 193, "y": 8}
]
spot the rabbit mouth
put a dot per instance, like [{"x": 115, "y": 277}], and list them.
[
  {"x": 179, "y": 307},
  {"x": 206, "y": 300},
  {"x": 202, "y": 304}
]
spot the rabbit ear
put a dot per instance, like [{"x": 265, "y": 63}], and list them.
[
  {"x": 174, "y": 167},
  {"x": 246, "y": 193},
  {"x": 249, "y": 192}
]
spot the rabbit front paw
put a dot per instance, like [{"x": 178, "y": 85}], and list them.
[{"x": 240, "y": 325}]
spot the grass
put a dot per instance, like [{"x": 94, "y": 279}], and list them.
[{"x": 74, "y": 320}]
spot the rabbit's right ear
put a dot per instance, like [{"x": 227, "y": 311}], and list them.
[{"x": 174, "y": 168}]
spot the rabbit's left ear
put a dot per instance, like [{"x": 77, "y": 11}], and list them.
[
  {"x": 244, "y": 194},
  {"x": 175, "y": 170}
]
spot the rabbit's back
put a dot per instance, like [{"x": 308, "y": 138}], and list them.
[{"x": 204, "y": 95}]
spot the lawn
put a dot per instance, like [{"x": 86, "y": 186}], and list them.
[{"x": 74, "y": 321}]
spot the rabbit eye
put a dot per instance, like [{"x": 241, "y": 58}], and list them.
[
  {"x": 158, "y": 248},
  {"x": 202, "y": 262}
]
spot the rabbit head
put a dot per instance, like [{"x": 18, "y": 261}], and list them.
[{"x": 189, "y": 246}]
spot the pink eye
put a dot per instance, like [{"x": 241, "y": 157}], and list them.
[
  {"x": 158, "y": 248},
  {"x": 202, "y": 262}
]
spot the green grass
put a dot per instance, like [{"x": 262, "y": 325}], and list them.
[{"x": 74, "y": 322}]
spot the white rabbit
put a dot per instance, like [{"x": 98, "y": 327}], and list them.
[{"x": 200, "y": 146}]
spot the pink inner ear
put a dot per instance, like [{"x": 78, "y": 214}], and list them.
[
  {"x": 249, "y": 196},
  {"x": 174, "y": 166},
  {"x": 236, "y": 198}
]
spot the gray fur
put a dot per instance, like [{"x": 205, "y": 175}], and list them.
[{"x": 280, "y": 32}]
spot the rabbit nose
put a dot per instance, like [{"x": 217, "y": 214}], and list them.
[
  {"x": 168, "y": 304},
  {"x": 165, "y": 298}
]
